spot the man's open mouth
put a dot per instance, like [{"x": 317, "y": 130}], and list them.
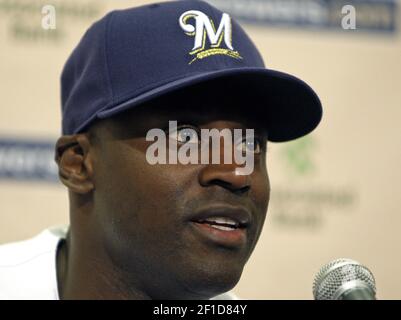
[{"x": 223, "y": 225}]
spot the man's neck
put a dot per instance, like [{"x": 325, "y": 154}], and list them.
[{"x": 83, "y": 277}]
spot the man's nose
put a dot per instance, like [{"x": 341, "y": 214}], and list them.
[{"x": 224, "y": 175}]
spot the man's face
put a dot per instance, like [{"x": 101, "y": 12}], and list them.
[{"x": 149, "y": 216}]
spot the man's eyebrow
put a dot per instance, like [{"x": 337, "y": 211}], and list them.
[{"x": 203, "y": 120}]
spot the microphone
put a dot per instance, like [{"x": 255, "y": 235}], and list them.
[{"x": 344, "y": 279}]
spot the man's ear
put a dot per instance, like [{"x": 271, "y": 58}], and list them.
[{"x": 74, "y": 161}]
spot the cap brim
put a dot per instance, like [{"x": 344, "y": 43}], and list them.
[{"x": 291, "y": 107}]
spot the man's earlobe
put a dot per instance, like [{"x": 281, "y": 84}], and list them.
[{"x": 74, "y": 161}]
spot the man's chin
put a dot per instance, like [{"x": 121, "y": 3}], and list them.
[{"x": 209, "y": 283}]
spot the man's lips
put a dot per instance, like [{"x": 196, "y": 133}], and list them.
[
  {"x": 222, "y": 225},
  {"x": 240, "y": 215}
]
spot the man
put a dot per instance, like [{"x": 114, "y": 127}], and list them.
[{"x": 141, "y": 229}]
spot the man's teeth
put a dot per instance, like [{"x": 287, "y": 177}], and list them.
[
  {"x": 222, "y": 227},
  {"x": 222, "y": 220},
  {"x": 222, "y": 223}
]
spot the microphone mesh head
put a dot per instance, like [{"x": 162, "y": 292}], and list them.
[{"x": 338, "y": 272}]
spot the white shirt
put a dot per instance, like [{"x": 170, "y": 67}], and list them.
[{"x": 28, "y": 268}]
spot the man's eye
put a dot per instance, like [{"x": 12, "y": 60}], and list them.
[
  {"x": 250, "y": 145},
  {"x": 185, "y": 134}
]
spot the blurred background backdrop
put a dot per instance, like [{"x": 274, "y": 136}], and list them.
[{"x": 335, "y": 193}]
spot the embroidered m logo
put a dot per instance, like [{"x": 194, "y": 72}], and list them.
[{"x": 205, "y": 28}]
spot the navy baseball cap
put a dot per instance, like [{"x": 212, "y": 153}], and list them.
[{"x": 135, "y": 55}]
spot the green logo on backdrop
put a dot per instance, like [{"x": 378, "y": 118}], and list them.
[
  {"x": 298, "y": 155},
  {"x": 299, "y": 202}
]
